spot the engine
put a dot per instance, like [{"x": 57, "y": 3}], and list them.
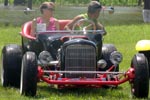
[{"x": 78, "y": 55}]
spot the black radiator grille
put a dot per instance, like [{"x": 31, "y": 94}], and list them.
[{"x": 80, "y": 58}]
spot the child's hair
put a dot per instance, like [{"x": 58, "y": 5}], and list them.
[
  {"x": 93, "y": 6},
  {"x": 47, "y": 5}
]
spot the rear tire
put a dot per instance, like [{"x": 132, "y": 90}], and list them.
[
  {"x": 11, "y": 65},
  {"x": 28, "y": 83},
  {"x": 140, "y": 84}
]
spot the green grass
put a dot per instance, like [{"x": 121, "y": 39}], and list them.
[{"x": 123, "y": 30}]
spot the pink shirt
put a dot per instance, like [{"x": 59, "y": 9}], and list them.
[{"x": 51, "y": 25}]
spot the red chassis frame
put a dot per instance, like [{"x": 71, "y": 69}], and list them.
[{"x": 101, "y": 80}]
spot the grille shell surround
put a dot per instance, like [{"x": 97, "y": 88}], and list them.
[{"x": 79, "y": 55}]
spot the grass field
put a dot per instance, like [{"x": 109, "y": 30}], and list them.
[{"x": 124, "y": 30}]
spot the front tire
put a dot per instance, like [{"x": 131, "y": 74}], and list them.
[
  {"x": 140, "y": 84},
  {"x": 28, "y": 83}
]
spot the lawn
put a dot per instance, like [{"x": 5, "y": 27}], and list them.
[{"x": 123, "y": 30}]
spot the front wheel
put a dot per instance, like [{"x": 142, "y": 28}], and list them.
[
  {"x": 140, "y": 84},
  {"x": 28, "y": 84}
]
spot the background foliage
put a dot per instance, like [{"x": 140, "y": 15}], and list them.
[{"x": 80, "y": 2}]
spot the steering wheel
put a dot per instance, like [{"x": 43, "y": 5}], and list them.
[{"x": 80, "y": 23}]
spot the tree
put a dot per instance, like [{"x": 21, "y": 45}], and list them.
[
  {"x": 30, "y": 4},
  {"x": 146, "y": 11},
  {"x": 140, "y": 2},
  {"x": 52, "y": 0},
  {"x": 5, "y": 2},
  {"x": 147, "y": 4}
]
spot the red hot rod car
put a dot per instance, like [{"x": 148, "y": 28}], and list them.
[{"x": 76, "y": 58}]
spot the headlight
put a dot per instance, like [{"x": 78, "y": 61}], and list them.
[
  {"x": 116, "y": 57},
  {"x": 45, "y": 57},
  {"x": 101, "y": 63}
]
